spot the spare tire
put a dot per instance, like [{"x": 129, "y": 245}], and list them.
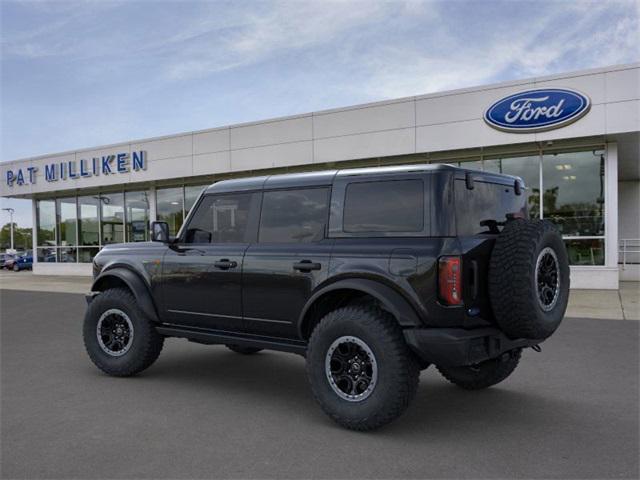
[{"x": 529, "y": 279}]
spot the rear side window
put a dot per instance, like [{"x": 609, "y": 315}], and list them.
[
  {"x": 385, "y": 206},
  {"x": 220, "y": 219},
  {"x": 294, "y": 216}
]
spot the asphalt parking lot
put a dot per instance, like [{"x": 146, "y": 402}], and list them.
[{"x": 568, "y": 412}]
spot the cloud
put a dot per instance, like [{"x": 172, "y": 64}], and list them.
[{"x": 525, "y": 47}]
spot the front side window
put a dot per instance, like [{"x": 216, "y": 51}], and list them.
[
  {"x": 385, "y": 206},
  {"x": 220, "y": 219},
  {"x": 294, "y": 216}
]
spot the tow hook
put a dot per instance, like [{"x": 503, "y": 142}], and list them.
[{"x": 536, "y": 348}]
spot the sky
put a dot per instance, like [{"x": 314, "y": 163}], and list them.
[{"x": 86, "y": 73}]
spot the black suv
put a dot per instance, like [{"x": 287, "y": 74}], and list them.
[{"x": 371, "y": 274}]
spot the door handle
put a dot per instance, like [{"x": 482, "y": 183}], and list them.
[
  {"x": 306, "y": 266},
  {"x": 225, "y": 264}
]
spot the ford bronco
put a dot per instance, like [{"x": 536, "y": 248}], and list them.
[{"x": 371, "y": 274}]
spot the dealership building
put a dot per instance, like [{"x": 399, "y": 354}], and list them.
[{"x": 574, "y": 138}]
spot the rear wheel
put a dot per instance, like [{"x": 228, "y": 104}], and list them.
[
  {"x": 16, "y": 268},
  {"x": 485, "y": 374},
  {"x": 120, "y": 340},
  {"x": 361, "y": 371},
  {"x": 243, "y": 350}
]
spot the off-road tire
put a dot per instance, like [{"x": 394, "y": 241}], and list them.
[
  {"x": 398, "y": 369},
  {"x": 512, "y": 286},
  {"x": 485, "y": 374},
  {"x": 243, "y": 350},
  {"x": 146, "y": 344}
]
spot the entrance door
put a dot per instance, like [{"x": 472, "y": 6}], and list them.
[{"x": 202, "y": 272}]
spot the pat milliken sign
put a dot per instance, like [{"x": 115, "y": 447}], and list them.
[
  {"x": 117, "y": 163},
  {"x": 537, "y": 110}
]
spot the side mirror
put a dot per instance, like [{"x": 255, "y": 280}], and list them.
[{"x": 160, "y": 232}]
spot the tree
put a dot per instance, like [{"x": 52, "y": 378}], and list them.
[{"x": 22, "y": 237}]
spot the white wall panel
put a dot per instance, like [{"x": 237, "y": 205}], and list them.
[
  {"x": 465, "y": 106},
  {"x": 166, "y": 147},
  {"x": 360, "y": 120},
  {"x": 212, "y": 141},
  {"x": 623, "y": 116},
  {"x": 209, "y": 163},
  {"x": 271, "y": 133},
  {"x": 592, "y": 85},
  {"x": 623, "y": 85},
  {"x": 166, "y": 168},
  {"x": 593, "y": 123},
  {"x": 379, "y": 144},
  {"x": 469, "y": 134},
  {"x": 271, "y": 156}
]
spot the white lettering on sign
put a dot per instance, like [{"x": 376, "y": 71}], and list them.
[{"x": 524, "y": 109}]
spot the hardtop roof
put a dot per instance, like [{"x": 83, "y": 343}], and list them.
[{"x": 326, "y": 177}]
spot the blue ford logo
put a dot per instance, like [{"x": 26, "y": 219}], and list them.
[{"x": 537, "y": 110}]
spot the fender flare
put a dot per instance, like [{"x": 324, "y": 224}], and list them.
[
  {"x": 135, "y": 283},
  {"x": 392, "y": 301}
]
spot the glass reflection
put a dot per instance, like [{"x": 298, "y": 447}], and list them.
[
  {"x": 574, "y": 192},
  {"x": 586, "y": 252},
  {"x": 67, "y": 213},
  {"x": 169, "y": 206},
  {"x": 88, "y": 220},
  {"x": 46, "y": 222},
  {"x": 112, "y": 220},
  {"x": 191, "y": 194},
  {"x": 137, "y": 216}
]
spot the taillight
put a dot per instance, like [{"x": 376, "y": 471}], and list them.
[{"x": 450, "y": 280}]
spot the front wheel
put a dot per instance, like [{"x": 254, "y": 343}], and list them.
[
  {"x": 361, "y": 371},
  {"x": 485, "y": 374},
  {"x": 120, "y": 340}
]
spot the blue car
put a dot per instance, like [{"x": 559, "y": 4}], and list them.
[{"x": 23, "y": 262}]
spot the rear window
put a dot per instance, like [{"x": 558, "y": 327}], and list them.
[
  {"x": 385, "y": 206},
  {"x": 294, "y": 216},
  {"x": 487, "y": 201}
]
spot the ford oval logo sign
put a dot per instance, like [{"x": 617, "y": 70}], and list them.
[{"x": 537, "y": 110}]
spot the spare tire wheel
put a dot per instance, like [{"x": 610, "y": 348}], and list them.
[{"x": 529, "y": 279}]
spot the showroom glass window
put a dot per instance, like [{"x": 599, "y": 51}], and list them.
[
  {"x": 112, "y": 218},
  {"x": 191, "y": 194},
  {"x": 170, "y": 207},
  {"x": 67, "y": 229},
  {"x": 294, "y": 216},
  {"x": 88, "y": 227},
  {"x": 46, "y": 230},
  {"x": 573, "y": 199},
  {"x": 137, "y": 216}
]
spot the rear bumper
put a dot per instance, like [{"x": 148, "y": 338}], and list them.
[{"x": 456, "y": 346}]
